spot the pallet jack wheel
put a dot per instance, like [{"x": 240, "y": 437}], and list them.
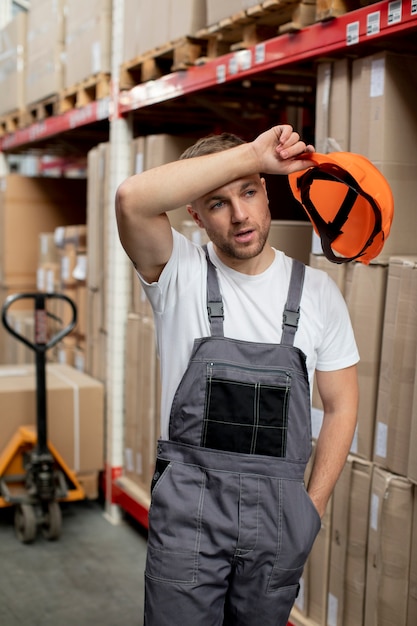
[
  {"x": 51, "y": 521},
  {"x": 25, "y": 522}
]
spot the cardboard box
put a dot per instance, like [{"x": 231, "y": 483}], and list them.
[
  {"x": 75, "y": 411},
  {"x": 318, "y": 564},
  {"x": 365, "y": 290},
  {"x": 144, "y": 29},
  {"x": 141, "y": 392},
  {"x": 218, "y": 10},
  {"x": 186, "y": 18},
  {"x": 357, "y": 546},
  {"x": 332, "y": 127},
  {"x": 412, "y": 588},
  {"x": 412, "y": 456},
  {"x": 30, "y": 206},
  {"x": 347, "y": 573},
  {"x": 98, "y": 163},
  {"x": 45, "y": 46},
  {"x": 13, "y": 64},
  {"x": 384, "y": 129},
  {"x": 389, "y": 544},
  {"x": 87, "y": 39},
  {"x": 397, "y": 370},
  {"x": 292, "y": 237}
]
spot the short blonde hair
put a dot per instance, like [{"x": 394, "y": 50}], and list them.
[{"x": 211, "y": 144}]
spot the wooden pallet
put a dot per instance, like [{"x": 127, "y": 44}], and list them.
[
  {"x": 93, "y": 88},
  {"x": 89, "y": 90},
  {"x": 170, "y": 57},
  {"x": 10, "y": 122},
  {"x": 40, "y": 110},
  {"x": 249, "y": 27}
]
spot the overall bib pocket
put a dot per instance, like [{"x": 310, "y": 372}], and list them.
[{"x": 246, "y": 409}]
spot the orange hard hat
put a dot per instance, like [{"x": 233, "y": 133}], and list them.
[{"x": 349, "y": 202}]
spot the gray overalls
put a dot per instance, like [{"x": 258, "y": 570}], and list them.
[{"x": 230, "y": 523}]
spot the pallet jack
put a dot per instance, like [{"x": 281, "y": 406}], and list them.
[{"x": 33, "y": 475}]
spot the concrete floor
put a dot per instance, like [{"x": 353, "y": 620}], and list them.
[{"x": 92, "y": 575}]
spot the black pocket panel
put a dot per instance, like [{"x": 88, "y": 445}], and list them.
[{"x": 246, "y": 417}]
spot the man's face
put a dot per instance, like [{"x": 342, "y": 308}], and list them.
[{"x": 236, "y": 218}]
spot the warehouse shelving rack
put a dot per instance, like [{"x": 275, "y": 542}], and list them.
[
  {"x": 368, "y": 27},
  {"x": 386, "y": 24},
  {"x": 364, "y": 29}
]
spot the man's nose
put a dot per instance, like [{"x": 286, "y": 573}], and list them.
[{"x": 238, "y": 211}]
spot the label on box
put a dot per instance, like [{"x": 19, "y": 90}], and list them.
[
  {"x": 377, "y": 78},
  {"x": 352, "y": 33},
  {"x": 354, "y": 446},
  {"x": 381, "y": 440},
  {"x": 129, "y": 459},
  {"x": 395, "y": 12},
  {"x": 373, "y": 23},
  {"x": 40, "y": 279},
  {"x": 332, "y": 610},
  {"x": 374, "y": 512}
]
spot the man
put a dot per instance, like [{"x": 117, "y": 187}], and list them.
[{"x": 241, "y": 329}]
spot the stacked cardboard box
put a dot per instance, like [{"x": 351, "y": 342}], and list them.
[
  {"x": 333, "y": 94},
  {"x": 87, "y": 39},
  {"x": 28, "y": 207},
  {"x": 45, "y": 47},
  {"x": 397, "y": 374},
  {"x": 384, "y": 129},
  {"x": 75, "y": 415},
  {"x": 13, "y": 64},
  {"x": 378, "y": 122},
  {"x": 71, "y": 243},
  {"x": 389, "y": 545},
  {"x": 145, "y": 30},
  {"x": 48, "y": 271},
  {"x": 142, "y": 390},
  {"x": 97, "y": 210},
  {"x": 349, "y": 540}
]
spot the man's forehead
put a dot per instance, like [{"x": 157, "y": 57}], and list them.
[{"x": 235, "y": 185}]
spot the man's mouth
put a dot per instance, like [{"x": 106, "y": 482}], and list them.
[{"x": 244, "y": 236}]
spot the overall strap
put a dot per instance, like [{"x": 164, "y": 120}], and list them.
[
  {"x": 214, "y": 299},
  {"x": 291, "y": 313}
]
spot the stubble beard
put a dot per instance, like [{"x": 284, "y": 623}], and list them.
[{"x": 238, "y": 251}]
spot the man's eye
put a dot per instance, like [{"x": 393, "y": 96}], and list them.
[{"x": 217, "y": 205}]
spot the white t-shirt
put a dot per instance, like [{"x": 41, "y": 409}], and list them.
[{"x": 253, "y": 307}]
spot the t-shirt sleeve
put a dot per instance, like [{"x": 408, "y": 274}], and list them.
[{"x": 176, "y": 275}]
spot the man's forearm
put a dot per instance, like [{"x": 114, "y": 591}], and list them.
[{"x": 332, "y": 448}]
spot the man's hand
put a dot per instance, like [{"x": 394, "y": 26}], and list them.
[{"x": 281, "y": 151}]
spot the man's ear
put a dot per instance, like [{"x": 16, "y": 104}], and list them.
[{"x": 194, "y": 215}]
